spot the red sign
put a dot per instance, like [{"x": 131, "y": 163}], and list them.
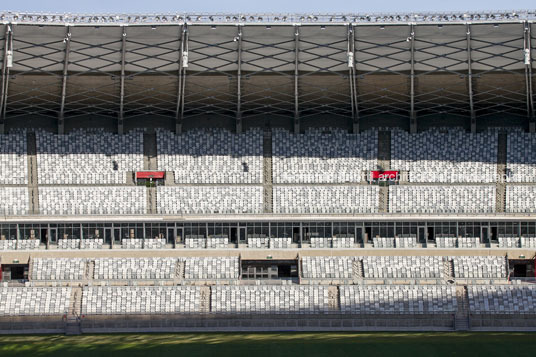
[
  {"x": 384, "y": 175},
  {"x": 150, "y": 174}
]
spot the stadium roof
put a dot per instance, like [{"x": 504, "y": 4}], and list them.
[{"x": 246, "y": 68}]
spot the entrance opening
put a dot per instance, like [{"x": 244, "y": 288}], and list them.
[
  {"x": 242, "y": 236},
  {"x": 269, "y": 269},
  {"x": 422, "y": 235},
  {"x": 108, "y": 235},
  {"x": 234, "y": 235},
  {"x": 44, "y": 235},
  {"x": 14, "y": 272},
  {"x": 368, "y": 234},
  {"x": 296, "y": 235},
  {"x": 484, "y": 234},
  {"x": 494, "y": 236},
  {"x": 431, "y": 235},
  {"x": 358, "y": 235}
]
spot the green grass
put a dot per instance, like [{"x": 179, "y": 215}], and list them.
[{"x": 272, "y": 344}]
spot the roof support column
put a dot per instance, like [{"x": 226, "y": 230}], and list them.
[
  {"x": 528, "y": 77},
  {"x": 7, "y": 63},
  {"x": 179, "y": 119},
  {"x": 120, "y": 122},
  {"x": 61, "y": 116},
  {"x": 239, "y": 82},
  {"x": 296, "y": 73},
  {"x": 412, "y": 114},
  {"x": 470, "y": 80},
  {"x": 178, "y": 112},
  {"x": 353, "y": 80}
]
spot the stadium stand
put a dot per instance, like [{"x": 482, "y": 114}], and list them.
[
  {"x": 58, "y": 268},
  {"x": 502, "y": 299},
  {"x": 325, "y": 199},
  {"x": 210, "y": 199},
  {"x": 211, "y": 156},
  {"x": 14, "y": 200},
  {"x": 520, "y": 199},
  {"x": 41, "y": 301},
  {"x": 146, "y": 300},
  {"x": 521, "y": 157},
  {"x": 13, "y": 160},
  {"x": 323, "y": 155},
  {"x": 441, "y": 199},
  {"x": 451, "y": 156},
  {"x": 401, "y": 299},
  {"x": 211, "y": 268},
  {"x": 135, "y": 268},
  {"x": 479, "y": 266},
  {"x": 88, "y": 157},
  {"x": 80, "y": 200},
  {"x": 269, "y": 299},
  {"x": 425, "y": 267},
  {"x": 328, "y": 267}
]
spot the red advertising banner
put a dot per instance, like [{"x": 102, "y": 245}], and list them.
[
  {"x": 150, "y": 174},
  {"x": 384, "y": 175}
]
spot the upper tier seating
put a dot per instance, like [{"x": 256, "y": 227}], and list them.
[
  {"x": 92, "y": 200},
  {"x": 479, "y": 267},
  {"x": 13, "y": 159},
  {"x": 269, "y": 299},
  {"x": 520, "y": 199},
  {"x": 452, "y": 156},
  {"x": 521, "y": 157},
  {"x": 211, "y": 156},
  {"x": 441, "y": 199},
  {"x": 146, "y": 300},
  {"x": 468, "y": 242},
  {"x": 28, "y": 244},
  {"x": 322, "y": 156},
  {"x": 509, "y": 242},
  {"x": 88, "y": 157},
  {"x": 528, "y": 242},
  {"x": 325, "y": 199},
  {"x": 327, "y": 267},
  {"x": 502, "y": 299},
  {"x": 58, "y": 268},
  {"x": 403, "y": 267},
  {"x": 209, "y": 199},
  {"x": 30, "y": 301},
  {"x": 211, "y": 268},
  {"x": 135, "y": 268},
  {"x": 14, "y": 200},
  {"x": 398, "y": 299},
  {"x": 9, "y": 244}
]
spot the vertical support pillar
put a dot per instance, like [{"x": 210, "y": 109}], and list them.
[
  {"x": 528, "y": 76},
  {"x": 120, "y": 122},
  {"x": 296, "y": 73},
  {"x": 8, "y": 51},
  {"x": 184, "y": 66},
  {"x": 412, "y": 114},
  {"x": 61, "y": 116},
  {"x": 470, "y": 80},
  {"x": 178, "y": 116},
  {"x": 239, "y": 82},
  {"x": 353, "y": 80}
]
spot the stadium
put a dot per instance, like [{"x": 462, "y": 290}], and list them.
[{"x": 262, "y": 172}]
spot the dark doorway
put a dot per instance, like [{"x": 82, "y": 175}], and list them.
[
  {"x": 520, "y": 270},
  {"x": 494, "y": 236},
  {"x": 44, "y": 235},
  {"x": 234, "y": 235},
  {"x": 368, "y": 234},
  {"x": 422, "y": 236},
  {"x": 431, "y": 235},
  {"x": 14, "y": 272},
  {"x": 295, "y": 234}
]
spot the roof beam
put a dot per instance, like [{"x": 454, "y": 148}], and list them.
[
  {"x": 528, "y": 76},
  {"x": 352, "y": 79},
  {"x": 296, "y": 74},
  {"x": 8, "y": 51},
  {"x": 238, "y": 39},
  {"x": 412, "y": 114},
  {"x": 470, "y": 79},
  {"x": 183, "y": 67},
  {"x": 120, "y": 121},
  {"x": 178, "y": 116},
  {"x": 61, "y": 117}
]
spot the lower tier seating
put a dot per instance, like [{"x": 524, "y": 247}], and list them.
[
  {"x": 14, "y": 200},
  {"x": 269, "y": 299},
  {"x": 421, "y": 267},
  {"x": 328, "y": 267},
  {"x": 135, "y": 268},
  {"x": 147, "y": 300},
  {"x": 211, "y": 268},
  {"x": 398, "y": 299},
  {"x": 32, "y": 301},
  {"x": 502, "y": 299},
  {"x": 58, "y": 268}
]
